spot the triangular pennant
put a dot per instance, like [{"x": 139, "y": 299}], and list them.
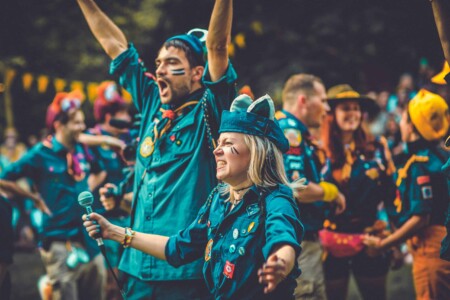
[
  {"x": 27, "y": 81},
  {"x": 60, "y": 84},
  {"x": 92, "y": 91},
  {"x": 42, "y": 83}
]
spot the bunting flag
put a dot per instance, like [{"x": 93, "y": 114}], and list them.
[
  {"x": 77, "y": 85},
  {"x": 10, "y": 74},
  {"x": 60, "y": 84},
  {"x": 42, "y": 83},
  {"x": 27, "y": 81},
  {"x": 92, "y": 91}
]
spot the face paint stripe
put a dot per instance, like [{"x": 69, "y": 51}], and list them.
[
  {"x": 178, "y": 72},
  {"x": 234, "y": 151}
]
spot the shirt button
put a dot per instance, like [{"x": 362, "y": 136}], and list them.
[
  {"x": 241, "y": 251},
  {"x": 235, "y": 233},
  {"x": 147, "y": 218},
  {"x": 232, "y": 248},
  {"x": 243, "y": 231},
  {"x": 150, "y": 195}
]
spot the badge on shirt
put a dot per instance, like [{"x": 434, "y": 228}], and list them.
[
  {"x": 373, "y": 173},
  {"x": 208, "y": 250},
  {"x": 228, "y": 270},
  {"x": 423, "y": 180},
  {"x": 147, "y": 147},
  {"x": 427, "y": 192},
  {"x": 294, "y": 137},
  {"x": 252, "y": 209}
]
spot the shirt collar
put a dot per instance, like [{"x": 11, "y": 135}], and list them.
[
  {"x": 414, "y": 147},
  {"x": 57, "y": 146},
  {"x": 302, "y": 127},
  {"x": 196, "y": 95}
]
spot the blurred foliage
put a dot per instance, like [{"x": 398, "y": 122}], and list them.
[{"x": 365, "y": 43}]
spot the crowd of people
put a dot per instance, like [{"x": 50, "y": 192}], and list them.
[{"x": 223, "y": 195}]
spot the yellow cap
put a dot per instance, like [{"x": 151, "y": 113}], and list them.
[
  {"x": 440, "y": 78},
  {"x": 429, "y": 114}
]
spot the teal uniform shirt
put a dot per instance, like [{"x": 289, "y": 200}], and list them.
[
  {"x": 368, "y": 186},
  {"x": 424, "y": 190},
  {"x": 445, "y": 249},
  {"x": 301, "y": 161},
  {"x": 113, "y": 165},
  {"x": 6, "y": 232},
  {"x": 236, "y": 244},
  {"x": 180, "y": 173},
  {"x": 47, "y": 167}
]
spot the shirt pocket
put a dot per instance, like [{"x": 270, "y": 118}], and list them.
[{"x": 182, "y": 139}]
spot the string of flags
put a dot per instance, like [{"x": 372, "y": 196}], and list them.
[{"x": 43, "y": 82}]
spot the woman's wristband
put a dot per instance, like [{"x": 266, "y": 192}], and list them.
[{"x": 330, "y": 191}]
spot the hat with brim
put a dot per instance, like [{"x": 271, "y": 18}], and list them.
[
  {"x": 344, "y": 92},
  {"x": 440, "y": 77}
]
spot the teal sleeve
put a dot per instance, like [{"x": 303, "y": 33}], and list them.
[
  {"x": 282, "y": 224},
  {"x": 421, "y": 195},
  {"x": 26, "y": 166},
  {"x": 189, "y": 244},
  {"x": 220, "y": 93},
  {"x": 133, "y": 78}
]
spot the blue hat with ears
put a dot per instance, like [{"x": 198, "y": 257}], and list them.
[
  {"x": 194, "y": 39},
  {"x": 254, "y": 118}
]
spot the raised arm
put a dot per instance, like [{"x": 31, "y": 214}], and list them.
[
  {"x": 219, "y": 36},
  {"x": 105, "y": 31},
  {"x": 441, "y": 11}
]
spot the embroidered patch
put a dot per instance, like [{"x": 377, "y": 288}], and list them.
[
  {"x": 228, "y": 270},
  {"x": 208, "y": 250},
  {"x": 147, "y": 147},
  {"x": 253, "y": 209},
  {"x": 294, "y": 137},
  {"x": 294, "y": 151},
  {"x": 423, "y": 179},
  {"x": 373, "y": 173},
  {"x": 427, "y": 192}
]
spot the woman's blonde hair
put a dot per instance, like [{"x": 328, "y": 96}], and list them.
[{"x": 266, "y": 167}]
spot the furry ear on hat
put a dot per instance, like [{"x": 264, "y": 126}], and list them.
[
  {"x": 254, "y": 118},
  {"x": 241, "y": 103},
  {"x": 263, "y": 106}
]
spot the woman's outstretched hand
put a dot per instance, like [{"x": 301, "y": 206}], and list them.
[
  {"x": 272, "y": 273},
  {"x": 97, "y": 226}
]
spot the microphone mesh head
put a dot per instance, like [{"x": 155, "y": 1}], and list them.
[{"x": 85, "y": 199}]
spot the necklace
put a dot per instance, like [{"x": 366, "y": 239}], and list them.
[{"x": 244, "y": 188}]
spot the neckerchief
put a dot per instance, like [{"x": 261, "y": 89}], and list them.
[
  {"x": 342, "y": 175},
  {"x": 73, "y": 162}
]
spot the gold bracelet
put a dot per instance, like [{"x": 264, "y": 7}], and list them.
[{"x": 129, "y": 234}]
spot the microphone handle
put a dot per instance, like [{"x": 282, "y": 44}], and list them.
[{"x": 99, "y": 240}]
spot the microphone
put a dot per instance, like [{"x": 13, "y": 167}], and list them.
[{"x": 86, "y": 199}]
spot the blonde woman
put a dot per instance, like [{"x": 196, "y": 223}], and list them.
[{"x": 248, "y": 232}]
